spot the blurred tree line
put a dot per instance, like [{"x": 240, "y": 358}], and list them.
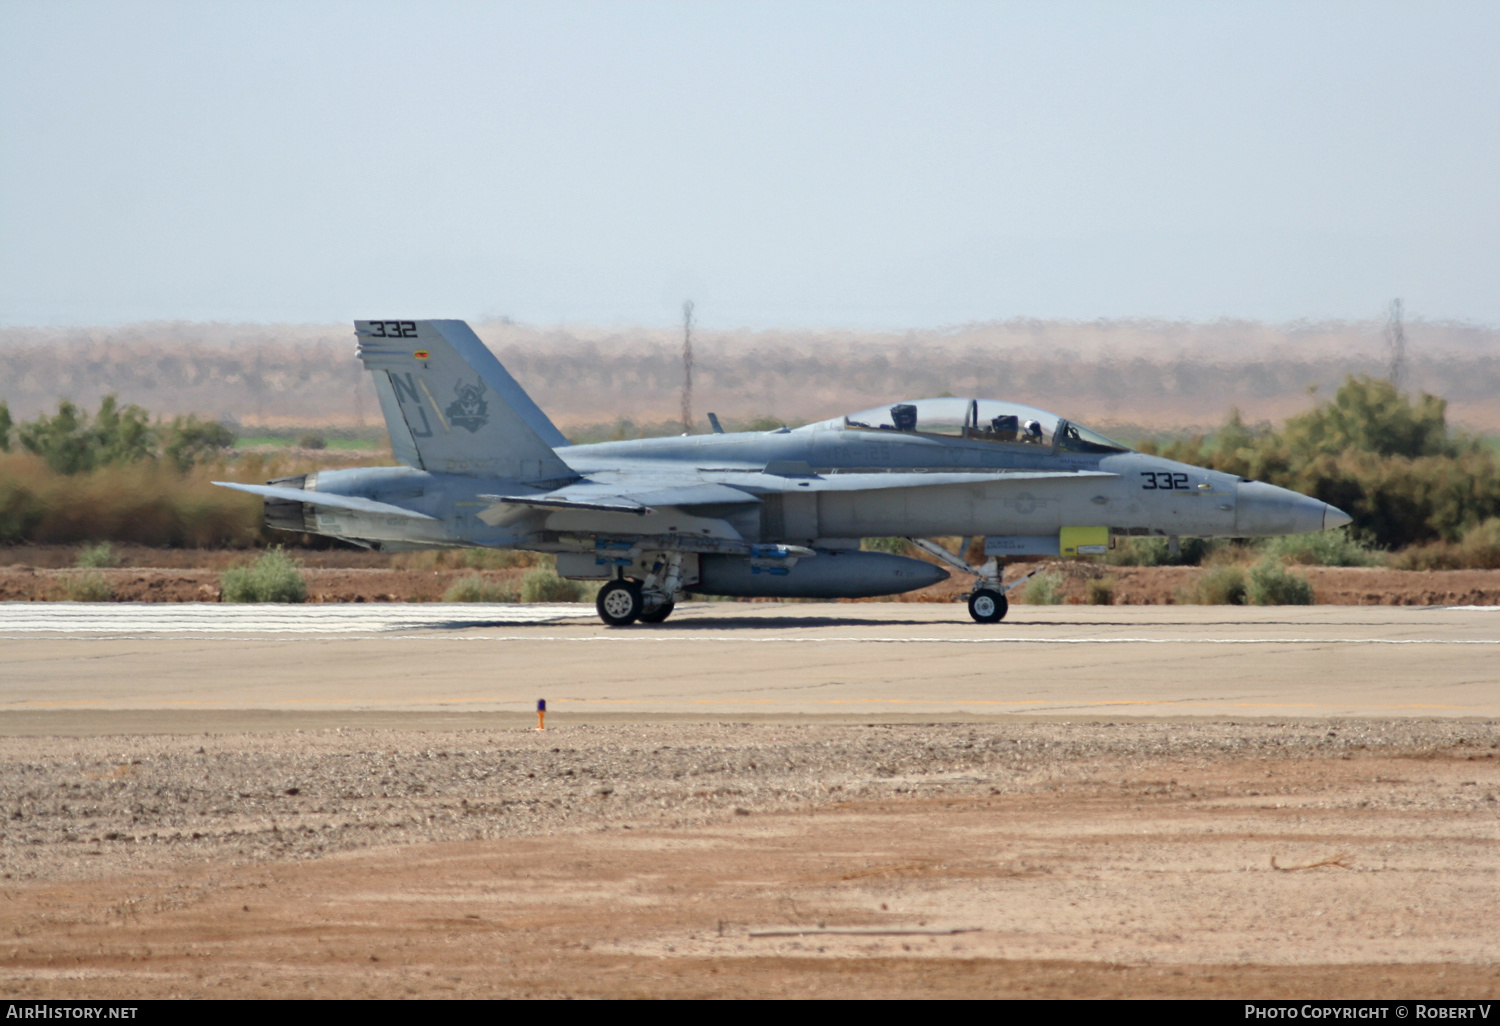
[
  {"x": 73, "y": 443},
  {"x": 117, "y": 475},
  {"x": 1387, "y": 460}
]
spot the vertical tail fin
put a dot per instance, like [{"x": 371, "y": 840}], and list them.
[{"x": 452, "y": 408}]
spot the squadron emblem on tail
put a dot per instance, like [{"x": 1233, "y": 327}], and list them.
[{"x": 469, "y": 410}]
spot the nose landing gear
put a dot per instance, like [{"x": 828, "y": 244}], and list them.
[
  {"x": 987, "y": 602},
  {"x": 987, "y": 605}
]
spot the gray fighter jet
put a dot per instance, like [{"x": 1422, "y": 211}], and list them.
[{"x": 778, "y": 513}]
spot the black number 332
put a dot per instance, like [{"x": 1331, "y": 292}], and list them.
[
  {"x": 393, "y": 329},
  {"x": 1161, "y": 480}
]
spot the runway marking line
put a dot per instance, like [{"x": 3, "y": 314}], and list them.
[{"x": 741, "y": 639}]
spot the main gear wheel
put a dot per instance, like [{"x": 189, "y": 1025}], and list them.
[{"x": 620, "y": 603}]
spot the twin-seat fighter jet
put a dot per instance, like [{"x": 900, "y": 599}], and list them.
[{"x": 777, "y": 513}]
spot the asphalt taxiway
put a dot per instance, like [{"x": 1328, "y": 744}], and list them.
[{"x": 105, "y": 668}]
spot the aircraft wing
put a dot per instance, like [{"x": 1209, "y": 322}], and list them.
[{"x": 328, "y": 500}]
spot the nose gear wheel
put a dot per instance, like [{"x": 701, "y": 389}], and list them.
[{"x": 988, "y": 606}]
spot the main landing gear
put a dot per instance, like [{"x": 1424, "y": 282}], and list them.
[
  {"x": 623, "y": 601},
  {"x": 620, "y": 603}
]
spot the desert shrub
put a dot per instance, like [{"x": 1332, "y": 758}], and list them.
[
  {"x": 546, "y": 586},
  {"x": 506, "y": 559},
  {"x": 1100, "y": 592},
  {"x": 5, "y": 425},
  {"x": 1325, "y": 548},
  {"x": 1045, "y": 589},
  {"x": 190, "y": 441},
  {"x": 312, "y": 441},
  {"x": 471, "y": 559},
  {"x": 90, "y": 586},
  {"x": 95, "y": 556},
  {"x": 274, "y": 577},
  {"x": 1155, "y": 551},
  {"x": 1477, "y": 549},
  {"x": 476, "y": 589},
  {"x": 1219, "y": 586},
  {"x": 1270, "y": 583},
  {"x": 72, "y": 443}
]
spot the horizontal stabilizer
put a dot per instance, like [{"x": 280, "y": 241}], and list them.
[{"x": 327, "y": 499}]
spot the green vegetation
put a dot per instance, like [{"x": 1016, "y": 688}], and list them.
[
  {"x": 895, "y": 546},
  {"x": 476, "y": 589},
  {"x": 546, "y": 586},
  {"x": 72, "y": 442},
  {"x": 1326, "y": 548},
  {"x": 1219, "y": 586},
  {"x": 190, "y": 441},
  {"x": 90, "y": 586},
  {"x": 347, "y": 440},
  {"x": 1045, "y": 589},
  {"x": 540, "y": 585},
  {"x": 471, "y": 559},
  {"x": 312, "y": 440},
  {"x": 274, "y": 577},
  {"x": 1157, "y": 552},
  {"x": 1479, "y": 548},
  {"x": 1270, "y": 583},
  {"x": 96, "y": 556},
  {"x": 1387, "y": 460},
  {"x": 145, "y": 503},
  {"x": 1267, "y": 583},
  {"x": 1100, "y": 591}
]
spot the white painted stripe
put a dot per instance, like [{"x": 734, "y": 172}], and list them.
[
  {"x": 81, "y": 617},
  {"x": 740, "y": 639}
]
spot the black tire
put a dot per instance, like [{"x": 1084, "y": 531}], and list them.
[
  {"x": 987, "y": 606},
  {"x": 658, "y": 614},
  {"x": 619, "y": 603}
]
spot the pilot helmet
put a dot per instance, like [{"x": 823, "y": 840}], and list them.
[
  {"x": 904, "y": 416},
  {"x": 1032, "y": 428}
]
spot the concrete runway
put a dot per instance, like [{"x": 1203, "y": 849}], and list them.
[{"x": 87, "y": 669}]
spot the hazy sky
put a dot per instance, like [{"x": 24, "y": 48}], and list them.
[{"x": 784, "y": 165}]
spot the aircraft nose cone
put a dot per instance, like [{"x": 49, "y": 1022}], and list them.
[
  {"x": 1335, "y": 517},
  {"x": 1263, "y": 510}
]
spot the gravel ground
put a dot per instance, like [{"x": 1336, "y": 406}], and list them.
[{"x": 83, "y": 807}]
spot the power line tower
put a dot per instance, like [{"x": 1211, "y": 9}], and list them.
[
  {"x": 687, "y": 367},
  {"x": 1395, "y": 344}
]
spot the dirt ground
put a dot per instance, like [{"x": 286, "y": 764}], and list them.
[
  {"x": 39, "y": 573},
  {"x": 1291, "y": 859}
]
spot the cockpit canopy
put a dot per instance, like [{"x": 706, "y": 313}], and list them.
[{"x": 985, "y": 420}]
